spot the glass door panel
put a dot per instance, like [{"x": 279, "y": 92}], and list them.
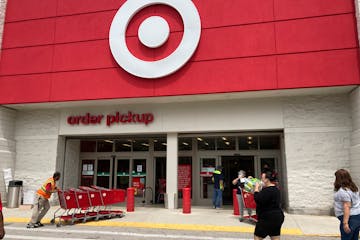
[
  {"x": 87, "y": 172},
  {"x": 207, "y": 167},
  {"x": 123, "y": 173},
  {"x": 103, "y": 173},
  {"x": 270, "y": 163},
  {"x": 139, "y": 176},
  {"x": 184, "y": 175},
  {"x": 231, "y": 166},
  {"x": 267, "y": 162},
  {"x": 160, "y": 179}
]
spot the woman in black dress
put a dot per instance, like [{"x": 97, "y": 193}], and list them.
[{"x": 270, "y": 215}]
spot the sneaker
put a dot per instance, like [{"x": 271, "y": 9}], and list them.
[
  {"x": 31, "y": 225},
  {"x": 39, "y": 224}
]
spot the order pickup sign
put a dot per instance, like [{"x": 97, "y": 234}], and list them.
[{"x": 115, "y": 118}]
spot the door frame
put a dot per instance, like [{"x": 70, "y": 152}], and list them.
[{"x": 201, "y": 199}]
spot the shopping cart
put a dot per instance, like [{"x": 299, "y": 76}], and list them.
[
  {"x": 249, "y": 205},
  {"x": 69, "y": 208},
  {"x": 87, "y": 203},
  {"x": 85, "y": 210},
  {"x": 103, "y": 199},
  {"x": 109, "y": 197}
]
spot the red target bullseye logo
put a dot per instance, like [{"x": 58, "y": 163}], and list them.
[{"x": 153, "y": 32}]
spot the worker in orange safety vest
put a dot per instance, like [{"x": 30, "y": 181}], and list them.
[{"x": 41, "y": 204}]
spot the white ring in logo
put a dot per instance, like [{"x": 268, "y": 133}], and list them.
[{"x": 163, "y": 67}]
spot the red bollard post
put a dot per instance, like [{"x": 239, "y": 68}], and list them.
[
  {"x": 235, "y": 203},
  {"x": 186, "y": 200},
  {"x": 130, "y": 204}
]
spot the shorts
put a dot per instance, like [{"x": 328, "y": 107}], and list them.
[{"x": 269, "y": 225}]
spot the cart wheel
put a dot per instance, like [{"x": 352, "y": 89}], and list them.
[
  {"x": 52, "y": 221},
  {"x": 58, "y": 225}
]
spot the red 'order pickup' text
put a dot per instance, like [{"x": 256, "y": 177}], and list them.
[{"x": 124, "y": 118}]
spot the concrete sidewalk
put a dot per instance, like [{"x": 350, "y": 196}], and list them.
[{"x": 200, "y": 219}]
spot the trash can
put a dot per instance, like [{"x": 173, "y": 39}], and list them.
[{"x": 14, "y": 193}]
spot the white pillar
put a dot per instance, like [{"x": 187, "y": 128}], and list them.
[
  {"x": 172, "y": 170},
  {"x": 355, "y": 135}
]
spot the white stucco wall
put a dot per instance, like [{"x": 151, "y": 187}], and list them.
[
  {"x": 355, "y": 136},
  {"x": 224, "y": 115},
  {"x": 37, "y": 143},
  {"x": 7, "y": 145},
  {"x": 317, "y": 141}
]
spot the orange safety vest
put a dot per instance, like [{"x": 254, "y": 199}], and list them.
[{"x": 42, "y": 190}]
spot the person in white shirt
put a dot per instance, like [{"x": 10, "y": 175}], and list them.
[{"x": 347, "y": 205}]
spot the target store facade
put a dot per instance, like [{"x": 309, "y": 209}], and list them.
[{"x": 154, "y": 94}]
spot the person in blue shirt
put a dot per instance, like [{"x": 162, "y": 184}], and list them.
[{"x": 218, "y": 179}]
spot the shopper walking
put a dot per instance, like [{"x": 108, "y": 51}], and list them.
[
  {"x": 270, "y": 215},
  {"x": 218, "y": 179},
  {"x": 239, "y": 182},
  {"x": 41, "y": 203},
  {"x": 347, "y": 205}
]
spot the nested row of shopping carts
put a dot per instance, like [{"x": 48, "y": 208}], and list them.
[{"x": 87, "y": 203}]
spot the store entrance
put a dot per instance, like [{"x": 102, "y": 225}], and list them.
[
  {"x": 115, "y": 172},
  {"x": 231, "y": 166},
  {"x": 160, "y": 179}
]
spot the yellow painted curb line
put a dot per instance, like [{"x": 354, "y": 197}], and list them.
[{"x": 189, "y": 227}]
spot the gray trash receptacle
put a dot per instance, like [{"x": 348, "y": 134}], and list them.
[{"x": 14, "y": 193}]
